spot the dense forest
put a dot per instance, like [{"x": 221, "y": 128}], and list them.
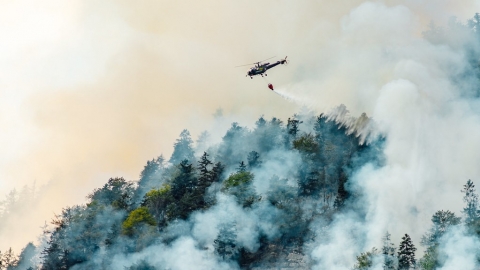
[
  {"x": 262, "y": 198},
  {"x": 257, "y": 193}
]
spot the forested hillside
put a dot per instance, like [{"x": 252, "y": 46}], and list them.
[
  {"x": 263, "y": 198},
  {"x": 247, "y": 202},
  {"x": 254, "y": 201}
]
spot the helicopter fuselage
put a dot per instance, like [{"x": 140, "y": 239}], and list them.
[{"x": 261, "y": 69}]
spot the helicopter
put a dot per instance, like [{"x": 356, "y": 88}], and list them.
[{"x": 261, "y": 68}]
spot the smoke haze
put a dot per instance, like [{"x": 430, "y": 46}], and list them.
[{"x": 92, "y": 90}]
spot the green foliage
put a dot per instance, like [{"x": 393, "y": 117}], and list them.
[
  {"x": 293, "y": 126},
  {"x": 242, "y": 167},
  {"x": 185, "y": 181},
  {"x": 268, "y": 135},
  {"x": 62, "y": 249},
  {"x": 471, "y": 210},
  {"x": 229, "y": 152},
  {"x": 205, "y": 179},
  {"x": 390, "y": 259},
  {"x": 429, "y": 261},
  {"x": 306, "y": 144},
  {"x": 442, "y": 221},
  {"x": 217, "y": 172},
  {"x": 239, "y": 185},
  {"x": 282, "y": 195},
  {"x": 226, "y": 242},
  {"x": 365, "y": 259},
  {"x": 285, "y": 198},
  {"x": 406, "y": 253},
  {"x": 171, "y": 193},
  {"x": 188, "y": 191},
  {"x": 157, "y": 200},
  {"x": 326, "y": 156},
  {"x": 237, "y": 179},
  {"x": 136, "y": 217},
  {"x": 150, "y": 176},
  {"x": 183, "y": 207},
  {"x": 310, "y": 183},
  {"x": 475, "y": 227},
  {"x": 116, "y": 192},
  {"x": 261, "y": 122},
  {"x": 77, "y": 234},
  {"x": 158, "y": 193}
]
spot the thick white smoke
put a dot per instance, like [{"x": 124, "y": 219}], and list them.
[
  {"x": 405, "y": 84},
  {"x": 458, "y": 249},
  {"x": 369, "y": 56}
]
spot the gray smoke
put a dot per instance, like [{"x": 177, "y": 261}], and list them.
[{"x": 369, "y": 56}]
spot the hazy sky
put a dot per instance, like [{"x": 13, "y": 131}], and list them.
[{"x": 93, "y": 89}]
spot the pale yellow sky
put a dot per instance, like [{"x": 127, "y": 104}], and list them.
[{"x": 93, "y": 89}]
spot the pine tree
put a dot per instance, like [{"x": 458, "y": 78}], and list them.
[
  {"x": 406, "y": 254},
  {"x": 10, "y": 203},
  {"x": 203, "y": 165},
  {"x": 429, "y": 261},
  {"x": 185, "y": 181},
  {"x": 25, "y": 259},
  {"x": 56, "y": 253},
  {"x": 388, "y": 252},
  {"x": 471, "y": 210},
  {"x": 365, "y": 260},
  {"x": 205, "y": 179},
  {"x": 310, "y": 183},
  {"x": 149, "y": 177},
  {"x": 216, "y": 175},
  {"x": 9, "y": 260},
  {"x": 229, "y": 152},
  {"x": 442, "y": 221},
  {"x": 270, "y": 136},
  {"x": 183, "y": 148},
  {"x": 184, "y": 190},
  {"x": 292, "y": 126},
  {"x": 226, "y": 242},
  {"x": 317, "y": 127},
  {"x": 116, "y": 192},
  {"x": 240, "y": 186},
  {"x": 292, "y": 131},
  {"x": 151, "y": 168},
  {"x": 342, "y": 193},
  {"x": 261, "y": 122},
  {"x": 217, "y": 172},
  {"x": 242, "y": 167},
  {"x": 253, "y": 159},
  {"x": 136, "y": 218},
  {"x": 474, "y": 24}
]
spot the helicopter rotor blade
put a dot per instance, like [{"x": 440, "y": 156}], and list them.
[
  {"x": 267, "y": 59},
  {"x": 256, "y": 62},
  {"x": 246, "y": 65}
]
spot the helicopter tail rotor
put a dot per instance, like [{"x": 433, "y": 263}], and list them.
[{"x": 284, "y": 61}]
